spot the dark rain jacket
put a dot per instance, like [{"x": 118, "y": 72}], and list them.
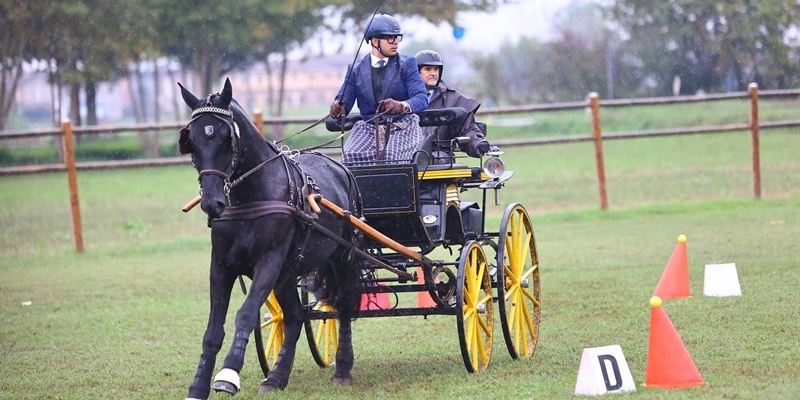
[{"x": 444, "y": 97}]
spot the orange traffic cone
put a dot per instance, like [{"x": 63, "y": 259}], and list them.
[
  {"x": 669, "y": 364},
  {"x": 674, "y": 282},
  {"x": 424, "y": 299},
  {"x": 375, "y": 301}
]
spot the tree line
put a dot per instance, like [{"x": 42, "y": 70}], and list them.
[
  {"x": 80, "y": 43},
  {"x": 634, "y": 48},
  {"x": 621, "y": 48}
]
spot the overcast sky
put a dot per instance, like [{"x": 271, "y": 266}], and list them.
[
  {"x": 487, "y": 31},
  {"x": 531, "y": 18}
]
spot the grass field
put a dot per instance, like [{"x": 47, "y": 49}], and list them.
[{"x": 125, "y": 318}]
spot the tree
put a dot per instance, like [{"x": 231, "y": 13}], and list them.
[
  {"x": 85, "y": 42},
  {"x": 712, "y": 45},
  {"x": 18, "y": 30},
  {"x": 279, "y": 28},
  {"x": 208, "y": 37},
  {"x": 580, "y": 59},
  {"x": 106, "y": 32},
  {"x": 81, "y": 42}
]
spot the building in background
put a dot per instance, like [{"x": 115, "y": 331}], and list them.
[{"x": 311, "y": 82}]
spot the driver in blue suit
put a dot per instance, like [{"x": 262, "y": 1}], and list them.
[{"x": 388, "y": 90}]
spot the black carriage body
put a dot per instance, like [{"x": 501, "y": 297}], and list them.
[
  {"x": 419, "y": 208},
  {"x": 416, "y": 204}
]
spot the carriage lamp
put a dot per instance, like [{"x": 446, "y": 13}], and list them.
[
  {"x": 494, "y": 168},
  {"x": 494, "y": 165}
]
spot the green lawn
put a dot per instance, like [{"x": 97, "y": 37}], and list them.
[{"x": 125, "y": 318}]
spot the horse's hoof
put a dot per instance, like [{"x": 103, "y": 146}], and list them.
[
  {"x": 266, "y": 387},
  {"x": 339, "y": 381},
  {"x": 227, "y": 387},
  {"x": 227, "y": 380}
]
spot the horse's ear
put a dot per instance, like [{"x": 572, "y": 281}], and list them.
[
  {"x": 227, "y": 93},
  {"x": 188, "y": 97}
]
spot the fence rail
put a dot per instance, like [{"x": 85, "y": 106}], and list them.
[{"x": 67, "y": 132}]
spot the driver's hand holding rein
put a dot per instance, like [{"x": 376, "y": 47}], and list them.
[
  {"x": 393, "y": 106},
  {"x": 336, "y": 108}
]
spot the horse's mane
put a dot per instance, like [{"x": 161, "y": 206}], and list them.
[{"x": 241, "y": 117}]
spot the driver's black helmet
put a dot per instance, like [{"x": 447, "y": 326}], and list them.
[
  {"x": 380, "y": 26},
  {"x": 430, "y": 58}
]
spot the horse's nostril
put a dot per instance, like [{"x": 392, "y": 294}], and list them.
[
  {"x": 220, "y": 207},
  {"x": 213, "y": 208}
]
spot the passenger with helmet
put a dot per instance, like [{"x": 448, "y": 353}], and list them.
[
  {"x": 389, "y": 90},
  {"x": 440, "y": 95}
]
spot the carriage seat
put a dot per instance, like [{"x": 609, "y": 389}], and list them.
[{"x": 423, "y": 157}]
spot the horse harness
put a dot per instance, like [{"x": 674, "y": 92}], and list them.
[{"x": 295, "y": 205}]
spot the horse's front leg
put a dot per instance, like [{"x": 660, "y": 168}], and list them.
[
  {"x": 293, "y": 315},
  {"x": 265, "y": 274},
  {"x": 220, "y": 293}
]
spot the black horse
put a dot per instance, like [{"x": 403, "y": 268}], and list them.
[{"x": 256, "y": 199}]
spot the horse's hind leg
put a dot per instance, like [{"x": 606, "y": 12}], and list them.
[
  {"x": 293, "y": 315},
  {"x": 346, "y": 303},
  {"x": 221, "y": 286},
  {"x": 344, "y": 355}
]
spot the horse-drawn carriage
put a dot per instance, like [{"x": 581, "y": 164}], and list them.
[{"x": 407, "y": 211}]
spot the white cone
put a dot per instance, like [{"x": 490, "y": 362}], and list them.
[
  {"x": 721, "y": 280},
  {"x": 604, "y": 370}
]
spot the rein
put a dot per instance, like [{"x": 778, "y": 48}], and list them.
[
  {"x": 252, "y": 170},
  {"x": 319, "y": 121}
]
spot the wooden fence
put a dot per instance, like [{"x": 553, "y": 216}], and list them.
[{"x": 67, "y": 132}]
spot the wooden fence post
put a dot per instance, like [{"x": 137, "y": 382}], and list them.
[
  {"x": 258, "y": 119},
  {"x": 598, "y": 149},
  {"x": 72, "y": 179},
  {"x": 753, "y": 89}
]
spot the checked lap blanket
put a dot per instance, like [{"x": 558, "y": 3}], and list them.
[{"x": 362, "y": 146}]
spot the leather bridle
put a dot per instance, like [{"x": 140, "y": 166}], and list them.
[{"x": 226, "y": 116}]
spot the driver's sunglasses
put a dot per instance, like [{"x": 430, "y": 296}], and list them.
[{"x": 393, "y": 39}]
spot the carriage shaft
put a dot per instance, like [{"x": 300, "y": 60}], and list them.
[{"x": 368, "y": 230}]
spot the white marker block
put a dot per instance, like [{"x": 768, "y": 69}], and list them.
[
  {"x": 721, "y": 280},
  {"x": 604, "y": 370}
]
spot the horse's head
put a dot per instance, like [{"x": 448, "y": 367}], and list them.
[{"x": 212, "y": 138}]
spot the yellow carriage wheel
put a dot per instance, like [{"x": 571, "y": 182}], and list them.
[
  {"x": 518, "y": 290},
  {"x": 322, "y": 334},
  {"x": 273, "y": 328},
  {"x": 474, "y": 295}
]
